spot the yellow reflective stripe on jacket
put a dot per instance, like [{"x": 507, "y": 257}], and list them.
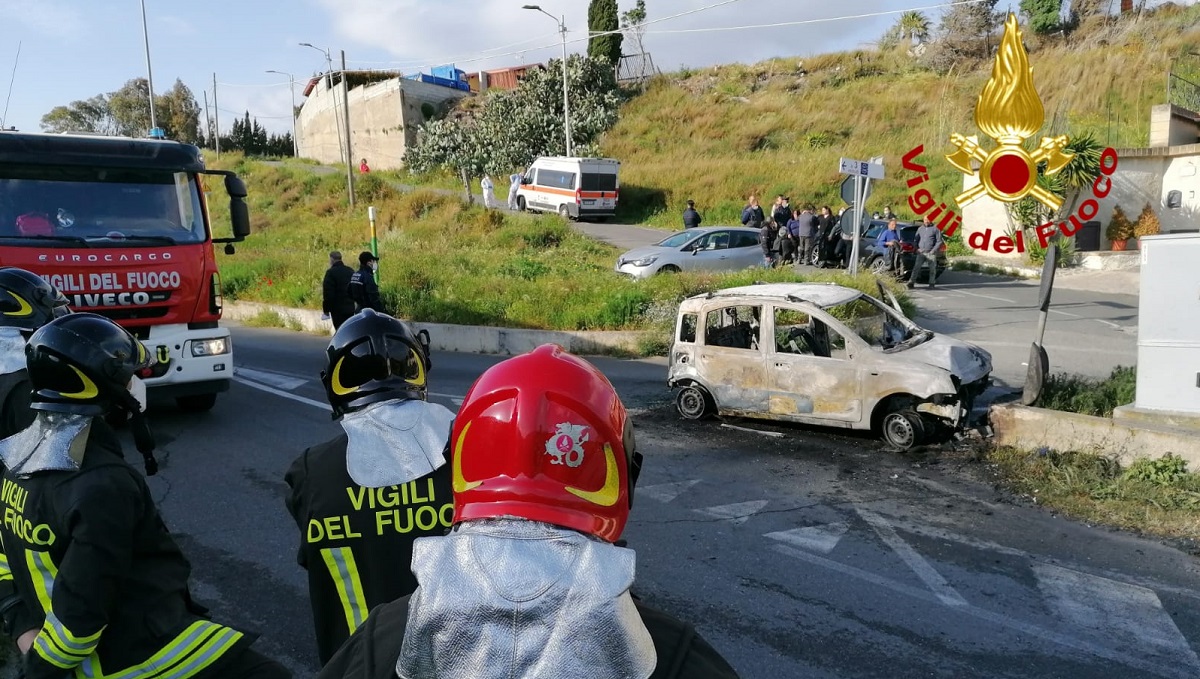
[
  {"x": 340, "y": 561},
  {"x": 42, "y": 571},
  {"x": 51, "y": 654},
  {"x": 189, "y": 653},
  {"x": 61, "y": 642},
  {"x": 5, "y": 571}
]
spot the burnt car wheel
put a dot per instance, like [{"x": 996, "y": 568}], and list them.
[
  {"x": 903, "y": 429},
  {"x": 694, "y": 403}
]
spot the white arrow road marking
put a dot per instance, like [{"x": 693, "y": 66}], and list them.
[
  {"x": 1030, "y": 630},
  {"x": 926, "y": 572},
  {"x": 813, "y": 538},
  {"x": 1122, "y": 614},
  {"x": 737, "y": 513},
  {"x": 277, "y": 380},
  {"x": 665, "y": 492}
]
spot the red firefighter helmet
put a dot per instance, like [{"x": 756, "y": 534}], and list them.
[{"x": 544, "y": 436}]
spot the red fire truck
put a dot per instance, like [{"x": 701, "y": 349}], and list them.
[{"x": 121, "y": 226}]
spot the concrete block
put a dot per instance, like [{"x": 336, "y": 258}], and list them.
[
  {"x": 1111, "y": 261},
  {"x": 463, "y": 338},
  {"x": 1032, "y": 428},
  {"x": 1130, "y": 414}
]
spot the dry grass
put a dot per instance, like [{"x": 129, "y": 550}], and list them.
[{"x": 719, "y": 134}]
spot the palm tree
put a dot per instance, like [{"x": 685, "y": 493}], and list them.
[
  {"x": 1081, "y": 171},
  {"x": 914, "y": 25}
]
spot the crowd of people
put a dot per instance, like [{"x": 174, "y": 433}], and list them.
[{"x": 490, "y": 545}]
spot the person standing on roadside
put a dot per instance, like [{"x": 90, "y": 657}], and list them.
[
  {"x": 825, "y": 226},
  {"x": 752, "y": 214},
  {"x": 691, "y": 218},
  {"x": 363, "y": 168},
  {"x": 929, "y": 241},
  {"x": 489, "y": 191},
  {"x": 514, "y": 185},
  {"x": 363, "y": 288},
  {"x": 805, "y": 234},
  {"x": 335, "y": 291},
  {"x": 845, "y": 245},
  {"x": 889, "y": 241}
]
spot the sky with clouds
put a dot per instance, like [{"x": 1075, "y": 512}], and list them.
[{"x": 74, "y": 49}]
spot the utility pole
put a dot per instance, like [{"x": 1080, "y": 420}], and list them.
[
  {"x": 292, "y": 86},
  {"x": 149, "y": 73},
  {"x": 346, "y": 115},
  {"x": 562, "y": 29},
  {"x": 207, "y": 127},
  {"x": 216, "y": 118}
]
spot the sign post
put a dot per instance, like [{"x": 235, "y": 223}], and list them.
[
  {"x": 862, "y": 172},
  {"x": 374, "y": 240}
]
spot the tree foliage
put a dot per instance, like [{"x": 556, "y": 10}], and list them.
[
  {"x": 1147, "y": 223},
  {"x": 249, "y": 137},
  {"x": 126, "y": 112},
  {"x": 965, "y": 32},
  {"x": 914, "y": 25},
  {"x": 631, "y": 23},
  {"x": 1045, "y": 16},
  {"x": 1119, "y": 227},
  {"x": 604, "y": 18},
  {"x": 511, "y": 128}
]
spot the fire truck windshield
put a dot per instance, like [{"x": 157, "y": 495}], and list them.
[{"x": 99, "y": 207}]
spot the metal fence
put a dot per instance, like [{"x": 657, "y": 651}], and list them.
[{"x": 1183, "y": 93}]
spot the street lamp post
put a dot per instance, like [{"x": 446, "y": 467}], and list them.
[
  {"x": 292, "y": 87},
  {"x": 562, "y": 29},
  {"x": 149, "y": 74},
  {"x": 329, "y": 83},
  {"x": 345, "y": 112}
]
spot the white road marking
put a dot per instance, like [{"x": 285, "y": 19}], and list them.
[
  {"x": 279, "y": 392},
  {"x": 1110, "y": 324},
  {"x": 821, "y": 538},
  {"x": 1029, "y": 630},
  {"x": 753, "y": 431},
  {"x": 277, "y": 380},
  {"x": 983, "y": 296},
  {"x": 986, "y": 343},
  {"x": 1128, "y": 615},
  {"x": 737, "y": 513},
  {"x": 1064, "y": 313},
  {"x": 665, "y": 492},
  {"x": 926, "y": 572}
]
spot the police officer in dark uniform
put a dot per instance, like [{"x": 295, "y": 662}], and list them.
[
  {"x": 361, "y": 499},
  {"x": 27, "y": 302},
  {"x": 95, "y": 567},
  {"x": 363, "y": 288}
]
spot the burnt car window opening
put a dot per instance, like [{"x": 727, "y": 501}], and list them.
[
  {"x": 100, "y": 206},
  {"x": 794, "y": 333},
  {"x": 734, "y": 327},
  {"x": 687, "y": 328},
  {"x": 877, "y": 325}
]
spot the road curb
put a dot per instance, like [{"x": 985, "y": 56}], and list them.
[
  {"x": 476, "y": 339},
  {"x": 1030, "y": 428}
]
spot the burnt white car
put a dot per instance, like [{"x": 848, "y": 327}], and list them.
[
  {"x": 822, "y": 354},
  {"x": 706, "y": 248}
]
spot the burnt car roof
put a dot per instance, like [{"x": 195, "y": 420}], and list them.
[
  {"x": 17, "y": 148},
  {"x": 820, "y": 294}
]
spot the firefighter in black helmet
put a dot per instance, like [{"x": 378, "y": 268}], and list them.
[
  {"x": 27, "y": 302},
  {"x": 361, "y": 499},
  {"x": 91, "y": 559}
]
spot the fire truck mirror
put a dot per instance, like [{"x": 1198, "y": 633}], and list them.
[
  {"x": 239, "y": 217},
  {"x": 234, "y": 186}
]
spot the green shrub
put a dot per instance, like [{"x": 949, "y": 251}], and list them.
[
  {"x": 1162, "y": 471},
  {"x": 1078, "y": 394}
]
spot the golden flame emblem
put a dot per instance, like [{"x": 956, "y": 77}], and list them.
[{"x": 1009, "y": 111}]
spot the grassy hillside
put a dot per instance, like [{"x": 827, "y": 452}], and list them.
[
  {"x": 718, "y": 134},
  {"x": 442, "y": 261}
]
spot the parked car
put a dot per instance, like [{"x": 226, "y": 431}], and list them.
[
  {"x": 575, "y": 188},
  {"x": 822, "y": 354},
  {"x": 876, "y": 258},
  {"x": 707, "y": 248},
  {"x": 866, "y": 239}
]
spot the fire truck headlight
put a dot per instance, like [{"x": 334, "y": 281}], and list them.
[{"x": 210, "y": 347}]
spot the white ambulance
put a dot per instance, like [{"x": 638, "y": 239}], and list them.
[{"x": 575, "y": 188}]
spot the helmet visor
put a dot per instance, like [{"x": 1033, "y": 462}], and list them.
[{"x": 365, "y": 363}]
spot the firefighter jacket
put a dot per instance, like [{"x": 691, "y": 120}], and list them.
[
  {"x": 95, "y": 566},
  {"x": 372, "y": 652},
  {"x": 356, "y": 543},
  {"x": 16, "y": 393}
]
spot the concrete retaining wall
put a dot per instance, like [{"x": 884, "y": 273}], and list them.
[
  {"x": 1032, "y": 428},
  {"x": 464, "y": 338}
]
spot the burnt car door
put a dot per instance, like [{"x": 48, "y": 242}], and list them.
[
  {"x": 813, "y": 373},
  {"x": 731, "y": 359}
]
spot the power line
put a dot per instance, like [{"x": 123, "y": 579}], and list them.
[
  {"x": 16, "y": 60},
  {"x": 452, "y": 59},
  {"x": 811, "y": 21}
]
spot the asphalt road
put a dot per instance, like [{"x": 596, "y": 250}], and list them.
[{"x": 796, "y": 552}]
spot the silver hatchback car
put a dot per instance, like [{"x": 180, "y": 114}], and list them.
[{"x": 707, "y": 248}]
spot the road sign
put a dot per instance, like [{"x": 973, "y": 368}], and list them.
[
  {"x": 847, "y": 191},
  {"x": 862, "y": 168}
]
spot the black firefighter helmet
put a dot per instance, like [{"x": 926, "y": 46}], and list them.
[
  {"x": 371, "y": 358},
  {"x": 27, "y": 301},
  {"x": 84, "y": 363}
]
